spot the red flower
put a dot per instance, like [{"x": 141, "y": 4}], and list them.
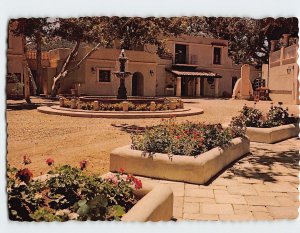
[
  {"x": 178, "y": 137},
  {"x": 137, "y": 183},
  {"x": 50, "y": 161},
  {"x": 83, "y": 164},
  {"x": 26, "y": 160},
  {"x": 122, "y": 170},
  {"x": 24, "y": 175}
]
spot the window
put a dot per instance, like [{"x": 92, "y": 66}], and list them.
[
  {"x": 217, "y": 55},
  {"x": 13, "y": 78},
  {"x": 180, "y": 54},
  {"x": 104, "y": 76}
]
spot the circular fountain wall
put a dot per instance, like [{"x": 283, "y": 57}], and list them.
[{"x": 114, "y": 100}]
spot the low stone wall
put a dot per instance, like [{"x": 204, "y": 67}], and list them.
[
  {"x": 56, "y": 110},
  {"x": 156, "y": 204},
  {"x": 274, "y": 134},
  {"x": 189, "y": 169}
]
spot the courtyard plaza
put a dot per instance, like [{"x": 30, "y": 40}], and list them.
[{"x": 262, "y": 185}]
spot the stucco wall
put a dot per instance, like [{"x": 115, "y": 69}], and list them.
[
  {"x": 154, "y": 82},
  {"x": 282, "y": 83},
  {"x": 14, "y": 61}
]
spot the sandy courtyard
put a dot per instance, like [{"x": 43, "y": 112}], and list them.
[{"x": 68, "y": 140}]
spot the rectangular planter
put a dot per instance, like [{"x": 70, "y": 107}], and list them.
[
  {"x": 156, "y": 204},
  {"x": 274, "y": 134},
  {"x": 189, "y": 169}
]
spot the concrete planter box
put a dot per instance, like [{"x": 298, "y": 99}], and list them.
[
  {"x": 274, "y": 134},
  {"x": 189, "y": 169},
  {"x": 156, "y": 204}
]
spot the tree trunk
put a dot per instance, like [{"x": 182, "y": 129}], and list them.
[
  {"x": 26, "y": 77},
  {"x": 39, "y": 63},
  {"x": 64, "y": 71}
]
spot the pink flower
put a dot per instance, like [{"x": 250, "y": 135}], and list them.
[
  {"x": 83, "y": 164},
  {"x": 50, "y": 161},
  {"x": 24, "y": 175}
]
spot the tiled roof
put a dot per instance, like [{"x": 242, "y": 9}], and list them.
[{"x": 194, "y": 73}]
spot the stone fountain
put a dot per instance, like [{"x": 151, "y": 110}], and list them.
[{"x": 122, "y": 74}]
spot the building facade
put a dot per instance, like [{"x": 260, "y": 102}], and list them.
[
  {"x": 15, "y": 70},
  {"x": 194, "y": 66},
  {"x": 281, "y": 74}
]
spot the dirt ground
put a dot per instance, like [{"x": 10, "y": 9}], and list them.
[{"x": 68, "y": 140}]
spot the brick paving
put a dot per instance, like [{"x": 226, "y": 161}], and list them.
[{"x": 261, "y": 186}]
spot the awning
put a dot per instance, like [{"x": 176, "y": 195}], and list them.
[{"x": 185, "y": 71}]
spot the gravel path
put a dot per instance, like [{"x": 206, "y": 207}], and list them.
[{"x": 69, "y": 140}]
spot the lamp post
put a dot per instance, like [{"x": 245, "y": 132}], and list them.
[{"x": 122, "y": 74}]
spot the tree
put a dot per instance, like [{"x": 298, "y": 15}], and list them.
[
  {"x": 249, "y": 39},
  {"x": 102, "y": 31},
  {"x": 33, "y": 30}
]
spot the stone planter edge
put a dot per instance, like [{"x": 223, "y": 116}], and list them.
[
  {"x": 155, "y": 205},
  {"x": 188, "y": 169},
  {"x": 273, "y": 134}
]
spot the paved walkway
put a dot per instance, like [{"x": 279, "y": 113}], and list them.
[{"x": 261, "y": 186}]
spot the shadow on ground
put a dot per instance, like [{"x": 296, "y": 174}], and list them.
[
  {"x": 28, "y": 106},
  {"x": 266, "y": 164}
]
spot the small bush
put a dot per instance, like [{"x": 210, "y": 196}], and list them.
[
  {"x": 189, "y": 139},
  {"x": 69, "y": 194},
  {"x": 276, "y": 116}
]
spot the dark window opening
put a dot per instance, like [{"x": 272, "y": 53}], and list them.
[
  {"x": 180, "y": 54},
  {"x": 104, "y": 75},
  {"x": 217, "y": 55}
]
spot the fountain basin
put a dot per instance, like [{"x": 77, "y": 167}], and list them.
[{"x": 114, "y": 100}]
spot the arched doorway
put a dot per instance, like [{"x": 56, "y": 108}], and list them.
[{"x": 137, "y": 84}]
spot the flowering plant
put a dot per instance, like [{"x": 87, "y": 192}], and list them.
[
  {"x": 118, "y": 106},
  {"x": 49, "y": 161},
  {"x": 276, "y": 116},
  {"x": 69, "y": 194},
  {"x": 189, "y": 139}
]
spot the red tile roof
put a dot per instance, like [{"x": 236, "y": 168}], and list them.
[{"x": 194, "y": 73}]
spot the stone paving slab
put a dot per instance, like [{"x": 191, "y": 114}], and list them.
[{"x": 261, "y": 186}]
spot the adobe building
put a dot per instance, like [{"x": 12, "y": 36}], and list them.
[
  {"x": 15, "y": 59},
  {"x": 281, "y": 74},
  {"x": 195, "y": 67}
]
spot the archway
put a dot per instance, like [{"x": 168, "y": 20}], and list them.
[{"x": 137, "y": 84}]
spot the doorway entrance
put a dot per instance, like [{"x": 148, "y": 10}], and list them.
[
  {"x": 137, "y": 84},
  {"x": 233, "y": 81}
]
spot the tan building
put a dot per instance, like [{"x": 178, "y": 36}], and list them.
[
  {"x": 196, "y": 66},
  {"x": 15, "y": 59},
  {"x": 281, "y": 74}
]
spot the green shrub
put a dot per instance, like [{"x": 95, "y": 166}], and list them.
[
  {"x": 70, "y": 194},
  {"x": 276, "y": 116},
  {"x": 252, "y": 116},
  {"x": 189, "y": 139}
]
